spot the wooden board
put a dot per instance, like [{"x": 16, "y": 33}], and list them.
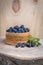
[
  {"x": 30, "y": 15},
  {"x": 21, "y": 53}
]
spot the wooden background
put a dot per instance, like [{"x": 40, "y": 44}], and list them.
[{"x": 30, "y": 14}]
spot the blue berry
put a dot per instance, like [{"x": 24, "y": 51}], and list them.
[
  {"x": 22, "y": 26},
  {"x": 17, "y": 45},
  {"x": 19, "y": 30},
  {"x": 24, "y": 29},
  {"x": 32, "y": 44},
  {"x": 27, "y": 30},
  {"x": 28, "y": 44},
  {"x": 23, "y": 45},
  {"x": 15, "y": 30},
  {"x": 16, "y": 27},
  {"x": 10, "y": 30}
]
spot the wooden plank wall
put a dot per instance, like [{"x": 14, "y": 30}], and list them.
[{"x": 30, "y": 14}]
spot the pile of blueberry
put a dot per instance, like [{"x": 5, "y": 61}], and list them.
[
  {"x": 17, "y": 29},
  {"x": 25, "y": 45}
]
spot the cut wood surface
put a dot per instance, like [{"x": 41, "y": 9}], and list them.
[{"x": 21, "y": 53}]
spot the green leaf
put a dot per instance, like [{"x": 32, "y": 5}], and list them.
[
  {"x": 37, "y": 39},
  {"x": 37, "y": 43},
  {"x": 31, "y": 38},
  {"x": 34, "y": 40}
]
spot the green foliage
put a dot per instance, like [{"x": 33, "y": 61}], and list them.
[{"x": 34, "y": 40}]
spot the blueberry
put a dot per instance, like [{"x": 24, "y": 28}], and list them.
[
  {"x": 10, "y": 30},
  {"x": 27, "y": 30},
  {"x": 23, "y": 45},
  {"x": 15, "y": 30},
  {"x": 17, "y": 45},
  {"x": 24, "y": 29},
  {"x": 22, "y": 26},
  {"x": 16, "y": 27},
  {"x": 28, "y": 44},
  {"x": 32, "y": 44},
  {"x": 19, "y": 30}
]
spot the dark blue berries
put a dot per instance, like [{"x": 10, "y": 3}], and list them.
[
  {"x": 17, "y": 45},
  {"x": 17, "y": 29},
  {"x": 28, "y": 44},
  {"x": 22, "y": 26},
  {"x": 32, "y": 44},
  {"x": 20, "y": 30},
  {"x": 27, "y": 30},
  {"x": 10, "y": 30},
  {"x": 25, "y": 45}
]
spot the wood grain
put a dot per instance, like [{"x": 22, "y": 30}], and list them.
[
  {"x": 35, "y": 0},
  {"x": 16, "y": 6},
  {"x": 30, "y": 15}
]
